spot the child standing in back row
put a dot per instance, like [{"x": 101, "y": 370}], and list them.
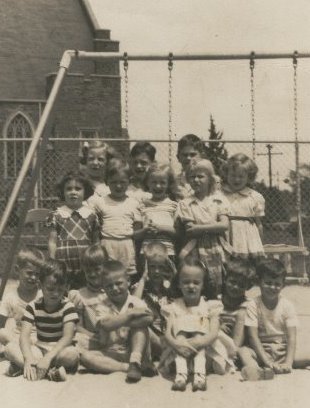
[
  {"x": 203, "y": 219},
  {"x": 74, "y": 226},
  {"x": 247, "y": 207},
  {"x": 118, "y": 214},
  {"x": 158, "y": 212}
]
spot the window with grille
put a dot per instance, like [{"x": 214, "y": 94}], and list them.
[{"x": 15, "y": 149}]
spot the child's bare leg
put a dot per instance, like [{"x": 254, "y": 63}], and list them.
[
  {"x": 5, "y": 336},
  {"x": 181, "y": 370},
  {"x": 68, "y": 358},
  {"x": 137, "y": 345},
  {"x": 251, "y": 370},
  {"x": 98, "y": 362},
  {"x": 13, "y": 353}
]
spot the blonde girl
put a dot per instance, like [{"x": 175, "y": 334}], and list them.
[
  {"x": 247, "y": 206},
  {"x": 202, "y": 219}
]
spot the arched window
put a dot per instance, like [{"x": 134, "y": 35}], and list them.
[{"x": 18, "y": 127}]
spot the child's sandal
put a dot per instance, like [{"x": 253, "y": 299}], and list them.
[
  {"x": 200, "y": 382},
  {"x": 179, "y": 382}
]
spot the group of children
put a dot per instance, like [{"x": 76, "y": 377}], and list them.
[{"x": 145, "y": 266}]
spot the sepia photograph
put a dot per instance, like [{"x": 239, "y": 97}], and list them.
[{"x": 154, "y": 203}]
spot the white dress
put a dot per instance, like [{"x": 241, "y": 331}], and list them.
[{"x": 247, "y": 204}]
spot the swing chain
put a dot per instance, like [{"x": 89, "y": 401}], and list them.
[
  {"x": 126, "y": 91},
  {"x": 170, "y": 68},
  {"x": 295, "y": 55},
  {"x": 252, "y": 91}
]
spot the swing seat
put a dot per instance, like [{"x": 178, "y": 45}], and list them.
[
  {"x": 294, "y": 258},
  {"x": 36, "y": 237}
]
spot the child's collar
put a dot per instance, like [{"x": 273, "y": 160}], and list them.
[
  {"x": 66, "y": 212},
  {"x": 246, "y": 191}
]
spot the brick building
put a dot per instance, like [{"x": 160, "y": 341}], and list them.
[{"x": 33, "y": 37}]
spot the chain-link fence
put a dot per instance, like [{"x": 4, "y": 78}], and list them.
[{"x": 276, "y": 180}]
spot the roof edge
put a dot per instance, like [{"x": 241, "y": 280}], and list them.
[{"x": 91, "y": 15}]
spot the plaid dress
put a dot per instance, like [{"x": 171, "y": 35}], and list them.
[
  {"x": 209, "y": 248},
  {"x": 75, "y": 232}
]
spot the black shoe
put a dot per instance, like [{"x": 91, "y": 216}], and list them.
[
  {"x": 134, "y": 373},
  {"x": 149, "y": 370}
]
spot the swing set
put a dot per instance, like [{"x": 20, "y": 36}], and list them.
[{"x": 40, "y": 139}]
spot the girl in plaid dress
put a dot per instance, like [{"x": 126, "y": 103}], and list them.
[{"x": 74, "y": 226}]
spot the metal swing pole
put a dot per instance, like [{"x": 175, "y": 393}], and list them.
[{"x": 38, "y": 147}]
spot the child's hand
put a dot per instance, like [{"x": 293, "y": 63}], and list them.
[
  {"x": 42, "y": 366},
  {"x": 193, "y": 230},
  {"x": 30, "y": 370},
  {"x": 225, "y": 327},
  {"x": 282, "y": 368},
  {"x": 184, "y": 348}
]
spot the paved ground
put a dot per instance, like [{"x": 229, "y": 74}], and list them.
[{"x": 83, "y": 390}]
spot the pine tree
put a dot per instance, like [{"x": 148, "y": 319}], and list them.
[{"x": 216, "y": 151}]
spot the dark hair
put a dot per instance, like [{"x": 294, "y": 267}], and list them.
[
  {"x": 56, "y": 269},
  {"x": 76, "y": 176},
  {"x": 240, "y": 268},
  {"x": 272, "y": 268},
  {"x": 194, "y": 141},
  {"x": 112, "y": 266},
  {"x": 143, "y": 147},
  {"x": 240, "y": 160},
  {"x": 94, "y": 255}
]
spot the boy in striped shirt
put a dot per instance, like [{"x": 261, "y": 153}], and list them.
[{"x": 55, "y": 319}]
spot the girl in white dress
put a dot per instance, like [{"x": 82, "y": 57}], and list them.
[{"x": 247, "y": 207}]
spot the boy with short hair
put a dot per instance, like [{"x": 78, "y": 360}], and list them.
[
  {"x": 190, "y": 147},
  {"x": 122, "y": 322},
  {"x": 271, "y": 323},
  {"x": 14, "y": 303},
  {"x": 55, "y": 320}
]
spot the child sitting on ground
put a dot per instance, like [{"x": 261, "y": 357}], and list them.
[
  {"x": 237, "y": 281},
  {"x": 55, "y": 320},
  {"x": 271, "y": 324},
  {"x": 122, "y": 322},
  {"x": 192, "y": 328},
  {"x": 14, "y": 303},
  {"x": 89, "y": 297},
  {"x": 155, "y": 289}
]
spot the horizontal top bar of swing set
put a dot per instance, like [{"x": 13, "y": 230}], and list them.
[
  {"x": 108, "y": 140},
  {"x": 184, "y": 57}
]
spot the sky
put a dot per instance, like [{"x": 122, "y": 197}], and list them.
[{"x": 217, "y": 88}]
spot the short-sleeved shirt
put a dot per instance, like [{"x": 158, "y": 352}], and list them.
[
  {"x": 229, "y": 317},
  {"x": 245, "y": 203},
  {"x": 50, "y": 325},
  {"x": 159, "y": 213},
  {"x": 272, "y": 324},
  {"x": 85, "y": 302},
  {"x": 12, "y": 306},
  {"x": 117, "y": 217},
  {"x": 194, "y": 319},
  {"x": 117, "y": 340}
]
